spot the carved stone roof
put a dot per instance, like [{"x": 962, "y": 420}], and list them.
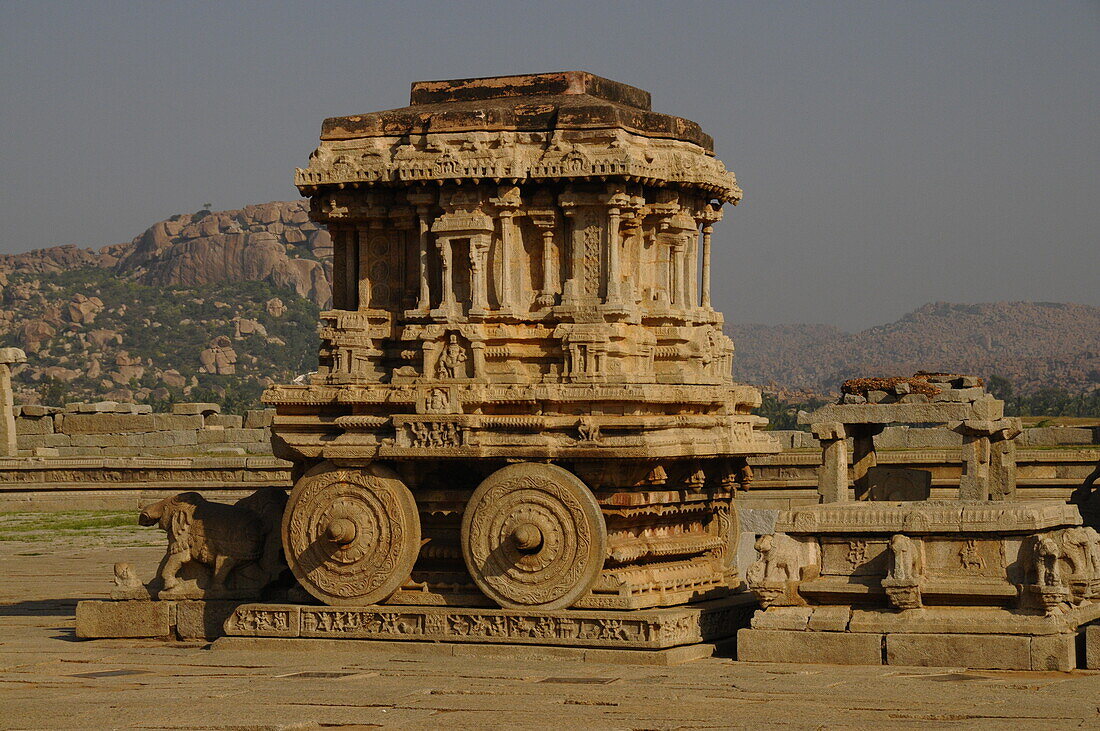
[
  {"x": 527, "y": 103},
  {"x": 564, "y": 126}
]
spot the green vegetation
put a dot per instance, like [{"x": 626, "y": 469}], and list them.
[
  {"x": 1048, "y": 401},
  {"x": 25, "y": 526},
  {"x": 161, "y": 329}
]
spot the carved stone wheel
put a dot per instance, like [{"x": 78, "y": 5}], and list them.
[
  {"x": 533, "y": 537},
  {"x": 351, "y": 535}
]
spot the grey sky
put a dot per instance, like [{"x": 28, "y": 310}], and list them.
[{"x": 892, "y": 153}]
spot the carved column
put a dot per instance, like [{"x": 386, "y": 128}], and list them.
[
  {"x": 479, "y": 247},
  {"x": 974, "y": 483},
  {"x": 676, "y": 272},
  {"x": 362, "y": 266},
  {"x": 863, "y": 456},
  {"x": 507, "y": 270},
  {"x": 340, "y": 236},
  {"x": 8, "y": 442},
  {"x": 707, "y": 229},
  {"x": 614, "y": 277},
  {"x": 351, "y": 270},
  {"x": 550, "y": 274},
  {"x": 832, "y": 476},
  {"x": 1002, "y": 462},
  {"x": 447, "y": 305},
  {"x": 477, "y": 347},
  {"x": 423, "y": 302}
]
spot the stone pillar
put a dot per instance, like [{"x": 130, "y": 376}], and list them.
[
  {"x": 676, "y": 273},
  {"x": 8, "y": 441},
  {"x": 863, "y": 456},
  {"x": 707, "y": 230},
  {"x": 423, "y": 302},
  {"x": 691, "y": 270},
  {"x": 351, "y": 270},
  {"x": 550, "y": 276},
  {"x": 614, "y": 275},
  {"x": 477, "y": 347},
  {"x": 479, "y": 246},
  {"x": 340, "y": 236},
  {"x": 362, "y": 269},
  {"x": 446, "y": 268},
  {"x": 507, "y": 271},
  {"x": 832, "y": 476},
  {"x": 974, "y": 483}
]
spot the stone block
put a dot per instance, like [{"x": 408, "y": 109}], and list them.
[
  {"x": 1054, "y": 436},
  {"x": 1054, "y": 652},
  {"x": 227, "y": 421},
  {"x": 46, "y": 452},
  {"x": 32, "y": 441},
  {"x": 983, "y": 652},
  {"x": 102, "y": 619},
  {"x": 833, "y": 648},
  {"x": 234, "y": 436},
  {"x": 959, "y": 395},
  {"x": 830, "y": 619},
  {"x": 86, "y": 451},
  {"x": 173, "y": 422},
  {"x": 792, "y": 618},
  {"x": 892, "y": 437},
  {"x": 203, "y": 620},
  {"x": 176, "y": 438},
  {"x": 193, "y": 409},
  {"x": 226, "y": 449},
  {"x": 34, "y": 425},
  {"x": 1092, "y": 647},
  {"x": 38, "y": 410},
  {"x": 258, "y": 418},
  {"x": 108, "y": 423},
  {"x": 107, "y": 440},
  {"x": 933, "y": 439}
]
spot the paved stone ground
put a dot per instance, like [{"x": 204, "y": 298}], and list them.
[{"x": 50, "y": 679}]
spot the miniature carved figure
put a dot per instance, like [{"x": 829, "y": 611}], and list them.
[{"x": 452, "y": 363}]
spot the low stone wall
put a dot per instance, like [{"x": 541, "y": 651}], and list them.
[
  {"x": 109, "y": 429},
  {"x": 123, "y": 456}
]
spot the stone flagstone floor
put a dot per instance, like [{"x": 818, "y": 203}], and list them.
[{"x": 48, "y": 679}]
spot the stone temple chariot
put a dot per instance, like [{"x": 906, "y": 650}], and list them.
[{"x": 524, "y": 396}]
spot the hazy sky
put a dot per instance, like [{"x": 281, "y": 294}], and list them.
[{"x": 892, "y": 153}]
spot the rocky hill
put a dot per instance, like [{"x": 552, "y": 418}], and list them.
[
  {"x": 214, "y": 305},
  {"x": 1032, "y": 344}
]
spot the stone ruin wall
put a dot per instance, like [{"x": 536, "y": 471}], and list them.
[{"x": 123, "y": 456}]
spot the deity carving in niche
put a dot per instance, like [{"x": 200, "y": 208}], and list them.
[{"x": 452, "y": 361}]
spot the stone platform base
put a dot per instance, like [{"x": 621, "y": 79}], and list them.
[
  {"x": 979, "y": 638},
  {"x": 644, "y": 629},
  {"x": 543, "y": 653}
]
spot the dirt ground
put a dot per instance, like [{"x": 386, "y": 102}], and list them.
[{"x": 49, "y": 679}]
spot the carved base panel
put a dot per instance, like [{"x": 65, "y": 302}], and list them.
[{"x": 643, "y": 629}]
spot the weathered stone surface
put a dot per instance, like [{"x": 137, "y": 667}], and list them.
[
  {"x": 641, "y": 629},
  {"x": 191, "y": 409},
  {"x": 833, "y": 648},
  {"x": 990, "y": 652},
  {"x": 100, "y": 619},
  {"x": 202, "y": 620},
  {"x": 1054, "y": 652},
  {"x": 1092, "y": 647},
  {"x": 830, "y": 618}
]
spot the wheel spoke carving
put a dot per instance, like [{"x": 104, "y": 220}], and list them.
[
  {"x": 533, "y": 536},
  {"x": 351, "y": 535}
]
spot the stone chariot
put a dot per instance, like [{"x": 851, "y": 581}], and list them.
[{"x": 524, "y": 397}]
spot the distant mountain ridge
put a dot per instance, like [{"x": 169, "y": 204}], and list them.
[
  {"x": 226, "y": 266},
  {"x": 1033, "y": 344}
]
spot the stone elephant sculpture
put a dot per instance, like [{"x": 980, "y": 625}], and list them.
[{"x": 238, "y": 541}]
